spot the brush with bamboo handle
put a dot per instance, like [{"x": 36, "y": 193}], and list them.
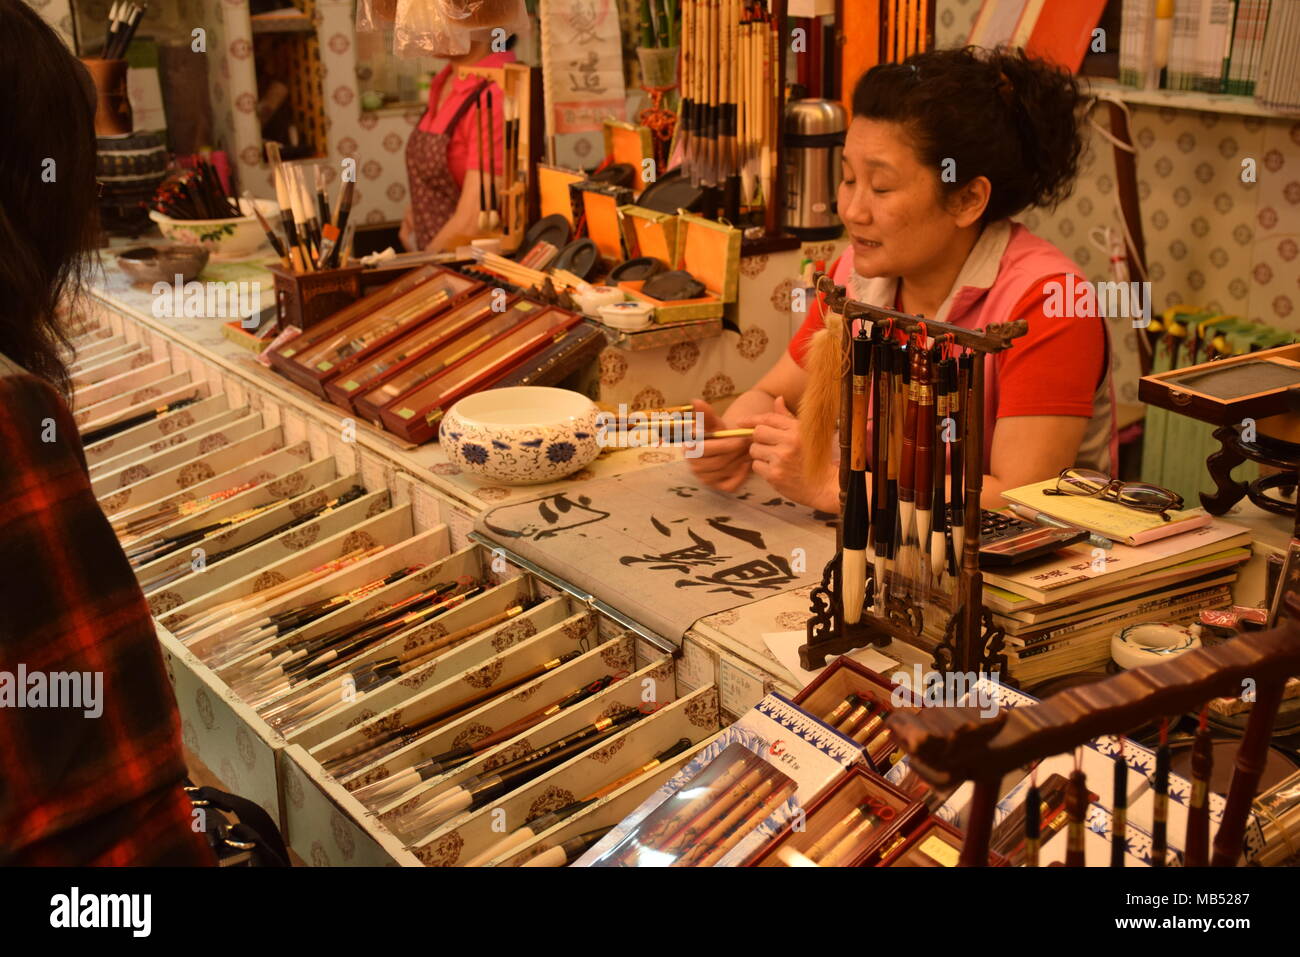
[{"x": 383, "y": 792}]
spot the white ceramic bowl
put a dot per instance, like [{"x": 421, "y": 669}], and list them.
[
  {"x": 521, "y": 435},
  {"x": 223, "y": 238}
]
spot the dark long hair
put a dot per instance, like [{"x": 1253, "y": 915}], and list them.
[
  {"x": 47, "y": 189},
  {"x": 993, "y": 113}
]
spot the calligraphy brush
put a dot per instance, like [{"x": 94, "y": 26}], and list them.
[
  {"x": 385, "y": 742},
  {"x": 702, "y": 806},
  {"x": 686, "y": 105},
  {"x": 324, "y": 653},
  {"x": 1119, "y": 808},
  {"x": 132, "y": 529},
  {"x": 837, "y": 713},
  {"x": 957, "y": 406},
  {"x": 1008, "y": 836},
  {"x": 304, "y": 214},
  {"x": 907, "y": 465},
  {"x": 218, "y": 615},
  {"x": 1196, "y": 852},
  {"x": 145, "y": 550},
  {"x": 271, "y": 236},
  {"x": 850, "y": 844},
  {"x": 375, "y": 674},
  {"x": 742, "y": 820},
  {"x": 877, "y": 541},
  {"x": 282, "y": 197},
  {"x": 478, "y": 131},
  {"x": 381, "y": 792},
  {"x": 532, "y": 829},
  {"x": 175, "y": 542},
  {"x": 108, "y": 431},
  {"x": 838, "y": 831},
  {"x": 1033, "y": 822},
  {"x": 1076, "y": 806},
  {"x": 569, "y": 851},
  {"x": 925, "y": 460},
  {"x": 494, "y": 218},
  {"x": 1160, "y": 809},
  {"x": 271, "y": 628},
  {"x": 857, "y": 520},
  {"x": 343, "y": 208},
  {"x": 322, "y": 201},
  {"x": 545, "y": 822},
  {"x": 295, "y": 617},
  {"x": 477, "y": 791},
  {"x": 939, "y": 473},
  {"x": 897, "y": 425}
]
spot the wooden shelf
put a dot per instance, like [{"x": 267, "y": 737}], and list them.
[
  {"x": 286, "y": 23},
  {"x": 1187, "y": 100}
]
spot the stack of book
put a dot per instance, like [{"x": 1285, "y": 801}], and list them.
[
  {"x": 1242, "y": 47},
  {"x": 1060, "y": 613}
]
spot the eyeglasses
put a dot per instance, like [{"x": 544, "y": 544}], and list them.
[{"x": 1138, "y": 495}]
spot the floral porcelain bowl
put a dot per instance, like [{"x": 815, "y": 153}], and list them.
[
  {"x": 521, "y": 435},
  {"x": 236, "y": 238}
]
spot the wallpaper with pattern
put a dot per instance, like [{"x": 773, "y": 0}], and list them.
[{"x": 1211, "y": 240}]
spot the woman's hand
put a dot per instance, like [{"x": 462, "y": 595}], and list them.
[
  {"x": 722, "y": 463},
  {"x": 777, "y": 451},
  {"x": 407, "y": 231}
]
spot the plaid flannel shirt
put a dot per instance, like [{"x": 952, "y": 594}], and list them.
[{"x": 74, "y": 789}]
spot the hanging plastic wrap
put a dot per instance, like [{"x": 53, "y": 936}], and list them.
[
  {"x": 437, "y": 28},
  {"x": 375, "y": 15}
]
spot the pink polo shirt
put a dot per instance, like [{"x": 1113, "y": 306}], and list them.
[
  {"x": 462, "y": 151},
  {"x": 1061, "y": 367}
]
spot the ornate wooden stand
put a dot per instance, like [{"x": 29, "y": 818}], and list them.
[
  {"x": 971, "y": 642},
  {"x": 1233, "y": 452}
]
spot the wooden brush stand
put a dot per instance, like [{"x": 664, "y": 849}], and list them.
[
  {"x": 971, "y": 642},
  {"x": 303, "y": 299}
]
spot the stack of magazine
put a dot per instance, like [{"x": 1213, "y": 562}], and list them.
[{"x": 1060, "y": 613}]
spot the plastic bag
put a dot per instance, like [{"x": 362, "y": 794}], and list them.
[
  {"x": 375, "y": 15},
  {"x": 444, "y": 27}
]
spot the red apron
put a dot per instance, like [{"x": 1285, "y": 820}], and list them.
[{"x": 434, "y": 193}]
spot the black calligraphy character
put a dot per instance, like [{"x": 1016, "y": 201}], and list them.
[
  {"x": 683, "y": 491},
  {"x": 702, "y": 554},
  {"x": 769, "y": 574},
  {"x": 746, "y": 535},
  {"x": 544, "y": 517},
  {"x": 582, "y": 19},
  {"x": 587, "y": 78}
]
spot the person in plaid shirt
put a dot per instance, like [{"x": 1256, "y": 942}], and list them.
[{"x": 75, "y": 788}]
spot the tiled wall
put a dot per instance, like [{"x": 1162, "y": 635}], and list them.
[{"x": 1211, "y": 240}]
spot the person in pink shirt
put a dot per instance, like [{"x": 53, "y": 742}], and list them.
[
  {"x": 942, "y": 151},
  {"x": 443, "y": 162}
]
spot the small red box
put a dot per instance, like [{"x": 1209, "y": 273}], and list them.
[
  {"x": 835, "y": 832},
  {"x": 837, "y": 681},
  {"x": 935, "y": 843}
]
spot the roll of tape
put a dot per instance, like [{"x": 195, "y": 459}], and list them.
[{"x": 1150, "y": 643}]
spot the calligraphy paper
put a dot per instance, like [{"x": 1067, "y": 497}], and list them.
[
  {"x": 663, "y": 548},
  {"x": 582, "y": 61}
]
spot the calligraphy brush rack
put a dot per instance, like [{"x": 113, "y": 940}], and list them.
[
  {"x": 948, "y": 746},
  {"x": 971, "y": 642}
]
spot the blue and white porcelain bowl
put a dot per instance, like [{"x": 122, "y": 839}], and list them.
[{"x": 521, "y": 435}]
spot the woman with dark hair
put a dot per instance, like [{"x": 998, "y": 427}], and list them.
[
  {"x": 91, "y": 764},
  {"x": 447, "y": 172},
  {"x": 942, "y": 150}
]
